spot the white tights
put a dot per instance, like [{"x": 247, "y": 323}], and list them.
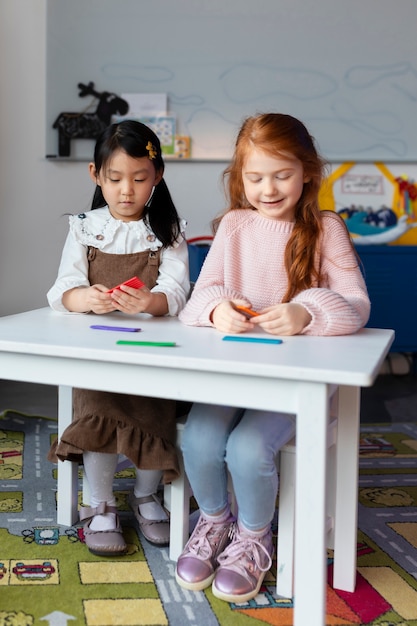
[{"x": 99, "y": 470}]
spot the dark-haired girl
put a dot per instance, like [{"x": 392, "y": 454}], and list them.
[{"x": 134, "y": 230}]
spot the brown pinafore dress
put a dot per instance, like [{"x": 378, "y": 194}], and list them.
[{"x": 141, "y": 428}]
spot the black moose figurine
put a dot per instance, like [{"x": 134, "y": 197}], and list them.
[{"x": 88, "y": 125}]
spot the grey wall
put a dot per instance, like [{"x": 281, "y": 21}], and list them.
[
  {"x": 35, "y": 192},
  {"x": 346, "y": 68}
]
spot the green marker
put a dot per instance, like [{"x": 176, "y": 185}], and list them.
[{"x": 162, "y": 344}]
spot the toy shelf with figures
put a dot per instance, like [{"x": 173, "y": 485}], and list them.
[{"x": 377, "y": 202}]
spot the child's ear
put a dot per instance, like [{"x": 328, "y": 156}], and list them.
[
  {"x": 93, "y": 173},
  {"x": 158, "y": 177}
]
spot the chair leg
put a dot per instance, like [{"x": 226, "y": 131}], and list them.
[
  {"x": 331, "y": 483},
  {"x": 232, "y": 496},
  {"x": 86, "y": 493}
]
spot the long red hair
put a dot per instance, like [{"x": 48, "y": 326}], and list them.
[{"x": 276, "y": 134}]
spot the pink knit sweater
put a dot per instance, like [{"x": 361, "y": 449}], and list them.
[{"x": 246, "y": 261}]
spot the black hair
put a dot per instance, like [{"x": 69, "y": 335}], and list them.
[{"x": 138, "y": 140}]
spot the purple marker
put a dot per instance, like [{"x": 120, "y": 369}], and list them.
[{"x": 123, "y": 329}]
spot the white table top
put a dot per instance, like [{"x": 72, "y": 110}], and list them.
[{"x": 348, "y": 360}]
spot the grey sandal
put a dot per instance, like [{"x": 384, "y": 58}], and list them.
[
  {"x": 155, "y": 531},
  {"x": 103, "y": 542}
]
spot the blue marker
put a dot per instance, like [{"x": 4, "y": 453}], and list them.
[{"x": 242, "y": 338}]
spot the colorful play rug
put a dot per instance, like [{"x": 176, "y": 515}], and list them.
[{"x": 49, "y": 578}]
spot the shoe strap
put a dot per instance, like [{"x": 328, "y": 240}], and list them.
[
  {"x": 136, "y": 502},
  {"x": 87, "y": 513},
  {"x": 146, "y": 499}
]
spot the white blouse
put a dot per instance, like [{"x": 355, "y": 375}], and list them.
[{"x": 99, "y": 229}]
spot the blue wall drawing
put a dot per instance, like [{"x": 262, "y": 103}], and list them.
[{"x": 347, "y": 69}]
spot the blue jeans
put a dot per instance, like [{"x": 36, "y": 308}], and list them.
[{"x": 245, "y": 442}]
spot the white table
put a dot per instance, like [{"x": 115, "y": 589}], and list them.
[{"x": 42, "y": 346}]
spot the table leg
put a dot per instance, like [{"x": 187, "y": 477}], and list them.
[
  {"x": 67, "y": 483},
  {"x": 310, "y": 523},
  {"x": 346, "y": 509}
]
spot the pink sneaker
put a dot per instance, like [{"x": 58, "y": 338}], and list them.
[
  {"x": 242, "y": 567},
  {"x": 198, "y": 561}
]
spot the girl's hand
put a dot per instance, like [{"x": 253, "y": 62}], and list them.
[
  {"x": 86, "y": 299},
  {"x": 283, "y": 319},
  {"x": 226, "y": 319},
  {"x": 131, "y": 301}
]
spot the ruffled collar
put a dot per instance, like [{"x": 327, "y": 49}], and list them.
[{"x": 98, "y": 228}]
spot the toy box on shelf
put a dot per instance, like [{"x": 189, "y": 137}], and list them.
[
  {"x": 380, "y": 211},
  {"x": 377, "y": 205}
]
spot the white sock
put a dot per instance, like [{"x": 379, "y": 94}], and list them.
[
  {"x": 99, "y": 468},
  {"x": 253, "y": 533},
  {"x": 219, "y": 518},
  {"x": 147, "y": 482}
]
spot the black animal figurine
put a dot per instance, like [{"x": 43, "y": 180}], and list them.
[{"x": 88, "y": 125}]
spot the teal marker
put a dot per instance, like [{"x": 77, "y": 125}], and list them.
[
  {"x": 162, "y": 344},
  {"x": 242, "y": 339}
]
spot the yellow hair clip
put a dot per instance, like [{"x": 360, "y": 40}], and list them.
[{"x": 151, "y": 149}]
